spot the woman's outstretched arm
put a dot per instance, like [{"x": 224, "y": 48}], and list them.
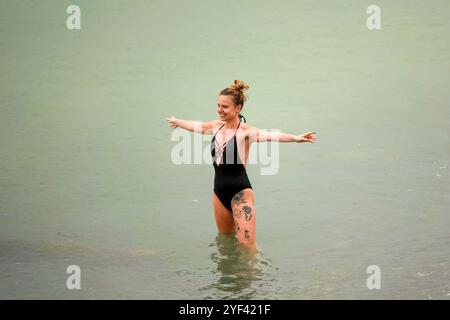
[
  {"x": 258, "y": 135},
  {"x": 194, "y": 126}
]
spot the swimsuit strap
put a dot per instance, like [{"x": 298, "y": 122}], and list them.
[
  {"x": 219, "y": 148},
  {"x": 214, "y": 137},
  {"x": 226, "y": 142}
]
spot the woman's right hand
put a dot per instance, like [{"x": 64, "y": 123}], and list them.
[{"x": 172, "y": 122}]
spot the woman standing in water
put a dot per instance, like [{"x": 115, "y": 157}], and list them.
[{"x": 233, "y": 200}]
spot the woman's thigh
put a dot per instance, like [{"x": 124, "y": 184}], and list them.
[
  {"x": 223, "y": 216},
  {"x": 244, "y": 216}
]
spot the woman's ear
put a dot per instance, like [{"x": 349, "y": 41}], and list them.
[{"x": 239, "y": 107}]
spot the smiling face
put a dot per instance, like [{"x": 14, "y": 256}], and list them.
[{"x": 226, "y": 108}]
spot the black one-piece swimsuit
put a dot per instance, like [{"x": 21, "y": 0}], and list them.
[{"x": 230, "y": 175}]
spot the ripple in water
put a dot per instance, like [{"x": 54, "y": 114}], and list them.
[{"x": 239, "y": 273}]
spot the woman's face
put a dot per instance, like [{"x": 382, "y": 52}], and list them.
[{"x": 226, "y": 108}]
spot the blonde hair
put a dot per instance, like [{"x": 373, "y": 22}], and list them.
[{"x": 236, "y": 90}]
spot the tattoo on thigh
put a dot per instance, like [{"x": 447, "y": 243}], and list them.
[
  {"x": 247, "y": 234},
  {"x": 237, "y": 213},
  {"x": 248, "y": 212},
  {"x": 239, "y": 198}
]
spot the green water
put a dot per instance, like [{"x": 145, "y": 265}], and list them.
[{"x": 86, "y": 176}]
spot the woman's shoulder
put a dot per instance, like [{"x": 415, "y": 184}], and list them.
[
  {"x": 217, "y": 123},
  {"x": 246, "y": 127},
  {"x": 214, "y": 125},
  {"x": 247, "y": 130}
]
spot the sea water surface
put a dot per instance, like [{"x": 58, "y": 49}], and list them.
[{"x": 87, "y": 177}]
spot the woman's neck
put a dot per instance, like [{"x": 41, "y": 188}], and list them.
[{"x": 232, "y": 124}]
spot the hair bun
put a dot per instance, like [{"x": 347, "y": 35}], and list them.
[
  {"x": 239, "y": 85},
  {"x": 236, "y": 91}
]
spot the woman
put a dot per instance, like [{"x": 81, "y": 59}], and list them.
[{"x": 233, "y": 195}]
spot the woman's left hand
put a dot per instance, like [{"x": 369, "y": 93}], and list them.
[{"x": 306, "y": 137}]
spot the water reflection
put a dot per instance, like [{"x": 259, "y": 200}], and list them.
[{"x": 239, "y": 272}]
